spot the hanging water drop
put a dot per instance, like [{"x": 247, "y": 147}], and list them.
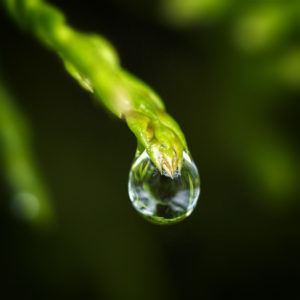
[{"x": 160, "y": 198}]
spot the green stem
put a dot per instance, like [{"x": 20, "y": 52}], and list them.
[
  {"x": 94, "y": 63},
  {"x": 30, "y": 198}
]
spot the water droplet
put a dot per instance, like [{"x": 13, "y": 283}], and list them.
[{"x": 160, "y": 198}]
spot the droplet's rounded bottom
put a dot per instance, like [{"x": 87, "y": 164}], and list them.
[
  {"x": 164, "y": 221},
  {"x": 158, "y": 197}
]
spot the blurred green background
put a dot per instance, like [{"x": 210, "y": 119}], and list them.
[{"x": 229, "y": 73}]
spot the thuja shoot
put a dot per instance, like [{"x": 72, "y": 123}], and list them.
[{"x": 164, "y": 182}]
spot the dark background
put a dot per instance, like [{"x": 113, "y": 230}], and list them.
[{"x": 239, "y": 112}]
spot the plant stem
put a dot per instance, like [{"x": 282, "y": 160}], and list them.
[
  {"x": 94, "y": 63},
  {"x": 30, "y": 198}
]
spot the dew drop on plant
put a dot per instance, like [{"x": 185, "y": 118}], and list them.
[{"x": 160, "y": 198}]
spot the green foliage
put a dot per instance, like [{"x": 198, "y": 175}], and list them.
[
  {"x": 31, "y": 200},
  {"x": 94, "y": 63}
]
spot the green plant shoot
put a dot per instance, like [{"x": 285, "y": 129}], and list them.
[
  {"x": 94, "y": 63},
  {"x": 30, "y": 197}
]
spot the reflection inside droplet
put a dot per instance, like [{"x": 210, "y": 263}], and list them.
[{"x": 160, "y": 198}]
